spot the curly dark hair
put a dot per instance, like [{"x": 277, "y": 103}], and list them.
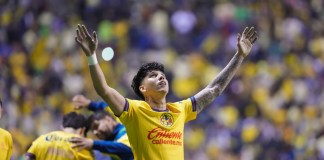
[
  {"x": 142, "y": 72},
  {"x": 74, "y": 120}
]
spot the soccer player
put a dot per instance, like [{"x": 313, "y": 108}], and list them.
[
  {"x": 113, "y": 138},
  {"x": 5, "y": 141},
  {"x": 56, "y": 145},
  {"x": 154, "y": 126}
]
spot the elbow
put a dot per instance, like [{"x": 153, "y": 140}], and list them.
[{"x": 102, "y": 91}]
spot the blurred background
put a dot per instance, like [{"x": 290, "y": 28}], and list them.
[{"x": 272, "y": 109}]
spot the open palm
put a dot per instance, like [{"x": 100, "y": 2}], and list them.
[
  {"x": 88, "y": 44},
  {"x": 246, "y": 40}
]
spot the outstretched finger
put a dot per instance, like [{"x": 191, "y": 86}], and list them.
[
  {"x": 82, "y": 34},
  {"x": 95, "y": 36},
  {"x": 245, "y": 32},
  {"x": 77, "y": 145},
  {"x": 253, "y": 35},
  {"x": 253, "y": 40},
  {"x": 85, "y": 31},
  {"x": 238, "y": 37},
  {"x": 250, "y": 32},
  {"x": 78, "y": 34}
]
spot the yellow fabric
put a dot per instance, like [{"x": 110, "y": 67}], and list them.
[
  {"x": 157, "y": 135},
  {"x": 124, "y": 140},
  {"x": 56, "y": 146},
  {"x": 5, "y": 144},
  {"x": 107, "y": 109}
]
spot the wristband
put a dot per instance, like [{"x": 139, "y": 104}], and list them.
[{"x": 92, "y": 60}]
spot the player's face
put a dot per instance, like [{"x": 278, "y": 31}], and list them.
[
  {"x": 103, "y": 128},
  {"x": 155, "y": 82}
]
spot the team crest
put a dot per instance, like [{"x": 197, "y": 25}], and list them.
[{"x": 166, "y": 119}]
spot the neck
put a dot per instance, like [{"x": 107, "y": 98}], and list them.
[
  {"x": 71, "y": 130},
  {"x": 156, "y": 104}
]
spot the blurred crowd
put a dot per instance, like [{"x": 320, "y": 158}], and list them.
[{"x": 272, "y": 109}]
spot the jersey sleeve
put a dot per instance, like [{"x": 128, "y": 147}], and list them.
[
  {"x": 97, "y": 105},
  {"x": 129, "y": 111},
  {"x": 189, "y": 107},
  {"x": 33, "y": 149}
]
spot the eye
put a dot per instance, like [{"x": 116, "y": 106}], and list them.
[{"x": 153, "y": 75}]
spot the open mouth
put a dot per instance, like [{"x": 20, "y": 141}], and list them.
[{"x": 162, "y": 83}]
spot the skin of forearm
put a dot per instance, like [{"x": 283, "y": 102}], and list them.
[
  {"x": 110, "y": 95},
  {"x": 217, "y": 86},
  {"x": 98, "y": 79}
]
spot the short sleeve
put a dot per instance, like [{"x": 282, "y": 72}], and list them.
[
  {"x": 189, "y": 107},
  {"x": 128, "y": 112},
  {"x": 33, "y": 149}
]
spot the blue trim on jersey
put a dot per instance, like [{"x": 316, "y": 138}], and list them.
[
  {"x": 97, "y": 105},
  {"x": 114, "y": 147},
  {"x": 193, "y": 101},
  {"x": 30, "y": 155},
  {"x": 126, "y": 107}
]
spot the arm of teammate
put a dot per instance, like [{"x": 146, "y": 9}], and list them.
[
  {"x": 80, "y": 102},
  {"x": 111, "y": 96},
  {"x": 217, "y": 86},
  {"x": 109, "y": 147}
]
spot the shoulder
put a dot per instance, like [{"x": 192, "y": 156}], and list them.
[
  {"x": 135, "y": 101},
  {"x": 135, "y": 104},
  {"x": 5, "y": 133},
  {"x": 182, "y": 102}
]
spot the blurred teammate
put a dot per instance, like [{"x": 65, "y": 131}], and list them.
[
  {"x": 82, "y": 102},
  {"x": 5, "y": 141},
  {"x": 154, "y": 126},
  {"x": 56, "y": 145},
  {"x": 113, "y": 138}
]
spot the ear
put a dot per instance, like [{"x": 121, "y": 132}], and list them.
[{"x": 142, "y": 88}]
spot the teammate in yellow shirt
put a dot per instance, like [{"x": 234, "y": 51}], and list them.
[
  {"x": 5, "y": 141},
  {"x": 56, "y": 145},
  {"x": 154, "y": 126},
  {"x": 116, "y": 145}
]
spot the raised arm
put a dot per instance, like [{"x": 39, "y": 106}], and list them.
[
  {"x": 89, "y": 46},
  {"x": 217, "y": 86},
  {"x": 80, "y": 102}
]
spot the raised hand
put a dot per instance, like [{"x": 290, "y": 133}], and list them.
[
  {"x": 80, "y": 102},
  {"x": 246, "y": 40},
  {"x": 88, "y": 44}
]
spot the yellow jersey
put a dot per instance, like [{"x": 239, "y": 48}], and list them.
[
  {"x": 56, "y": 146},
  {"x": 5, "y": 144},
  {"x": 157, "y": 135}
]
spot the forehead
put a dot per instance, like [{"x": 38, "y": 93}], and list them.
[{"x": 154, "y": 72}]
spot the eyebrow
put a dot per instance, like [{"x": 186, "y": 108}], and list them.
[{"x": 156, "y": 71}]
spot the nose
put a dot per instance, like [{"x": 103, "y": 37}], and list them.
[{"x": 161, "y": 77}]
